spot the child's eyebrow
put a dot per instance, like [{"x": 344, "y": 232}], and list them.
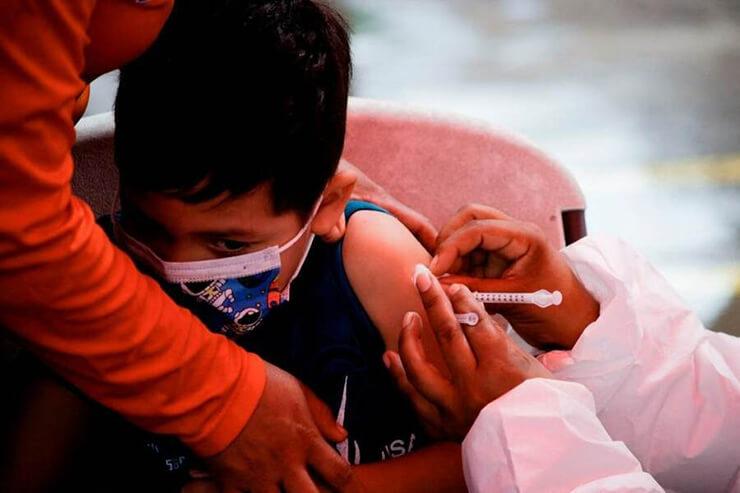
[{"x": 241, "y": 232}]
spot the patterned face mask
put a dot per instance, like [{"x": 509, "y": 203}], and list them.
[{"x": 231, "y": 295}]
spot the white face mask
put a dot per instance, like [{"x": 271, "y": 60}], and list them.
[{"x": 239, "y": 289}]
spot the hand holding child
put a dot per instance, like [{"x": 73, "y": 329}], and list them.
[{"x": 281, "y": 443}]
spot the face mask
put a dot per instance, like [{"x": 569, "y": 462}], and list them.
[{"x": 230, "y": 295}]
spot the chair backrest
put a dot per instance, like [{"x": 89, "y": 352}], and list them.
[
  {"x": 437, "y": 163},
  {"x": 95, "y": 177},
  {"x": 434, "y": 163}
]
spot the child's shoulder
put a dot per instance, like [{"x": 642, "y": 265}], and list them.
[
  {"x": 379, "y": 256},
  {"x": 375, "y": 238}
]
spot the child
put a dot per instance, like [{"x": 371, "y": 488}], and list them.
[{"x": 228, "y": 137}]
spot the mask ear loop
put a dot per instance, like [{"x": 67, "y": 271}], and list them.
[
  {"x": 133, "y": 245},
  {"x": 305, "y": 227},
  {"x": 285, "y": 295}
]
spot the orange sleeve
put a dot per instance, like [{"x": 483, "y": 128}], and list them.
[{"x": 64, "y": 288}]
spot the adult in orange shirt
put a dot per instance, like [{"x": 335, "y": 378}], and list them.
[{"x": 80, "y": 304}]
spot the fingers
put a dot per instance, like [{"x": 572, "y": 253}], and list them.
[
  {"x": 265, "y": 489},
  {"x": 481, "y": 263},
  {"x": 424, "y": 409},
  {"x": 329, "y": 466},
  {"x": 451, "y": 339},
  {"x": 419, "y": 225},
  {"x": 466, "y": 214},
  {"x": 507, "y": 239},
  {"x": 483, "y": 284},
  {"x": 485, "y": 337},
  {"x": 422, "y": 375},
  {"x": 495, "y": 266},
  {"x": 323, "y": 417},
  {"x": 366, "y": 189},
  {"x": 300, "y": 482},
  {"x": 422, "y": 228}
]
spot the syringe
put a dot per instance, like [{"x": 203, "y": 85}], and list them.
[{"x": 542, "y": 298}]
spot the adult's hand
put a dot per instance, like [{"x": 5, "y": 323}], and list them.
[
  {"x": 489, "y": 251},
  {"x": 280, "y": 444},
  {"x": 484, "y": 363},
  {"x": 417, "y": 223}
]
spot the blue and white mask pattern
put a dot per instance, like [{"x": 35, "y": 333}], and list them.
[{"x": 231, "y": 295}]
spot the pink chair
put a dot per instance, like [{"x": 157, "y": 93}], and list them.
[
  {"x": 437, "y": 163},
  {"x": 95, "y": 177},
  {"x": 434, "y": 163}
]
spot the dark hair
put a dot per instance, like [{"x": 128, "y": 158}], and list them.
[{"x": 233, "y": 94}]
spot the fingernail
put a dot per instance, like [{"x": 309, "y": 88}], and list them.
[
  {"x": 433, "y": 263},
  {"x": 422, "y": 278},
  {"x": 387, "y": 359},
  {"x": 407, "y": 319},
  {"x": 454, "y": 288}
]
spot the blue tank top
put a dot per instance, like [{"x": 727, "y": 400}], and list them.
[{"x": 324, "y": 337}]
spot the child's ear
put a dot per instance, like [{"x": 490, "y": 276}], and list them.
[{"x": 329, "y": 222}]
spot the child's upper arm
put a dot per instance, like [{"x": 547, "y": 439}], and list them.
[{"x": 379, "y": 257}]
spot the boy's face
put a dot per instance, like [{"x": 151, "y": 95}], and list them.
[{"x": 222, "y": 227}]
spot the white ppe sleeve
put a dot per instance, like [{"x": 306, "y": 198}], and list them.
[
  {"x": 662, "y": 384},
  {"x": 544, "y": 436}
]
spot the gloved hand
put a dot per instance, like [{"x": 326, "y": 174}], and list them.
[{"x": 487, "y": 250}]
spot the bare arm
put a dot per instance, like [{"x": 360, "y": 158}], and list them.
[
  {"x": 380, "y": 255},
  {"x": 434, "y": 469}
]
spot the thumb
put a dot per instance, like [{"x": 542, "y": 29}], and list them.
[
  {"x": 483, "y": 284},
  {"x": 323, "y": 417},
  {"x": 424, "y": 231}
]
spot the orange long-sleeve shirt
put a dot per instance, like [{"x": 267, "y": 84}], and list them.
[{"x": 77, "y": 301}]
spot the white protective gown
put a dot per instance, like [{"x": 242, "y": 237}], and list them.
[{"x": 662, "y": 387}]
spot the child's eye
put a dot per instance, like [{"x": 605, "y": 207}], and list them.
[{"x": 229, "y": 246}]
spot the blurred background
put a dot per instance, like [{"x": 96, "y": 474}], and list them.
[{"x": 639, "y": 99}]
